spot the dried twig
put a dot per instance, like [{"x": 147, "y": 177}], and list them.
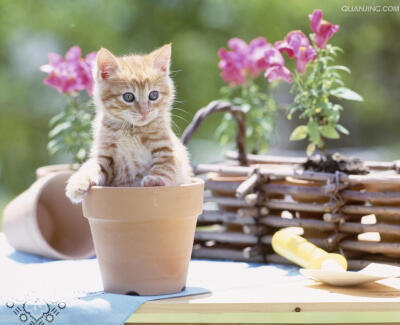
[
  {"x": 225, "y": 237},
  {"x": 221, "y": 217},
  {"x": 218, "y": 106},
  {"x": 371, "y": 247},
  {"x": 248, "y": 185},
  {"x": 266, "y": 159}
]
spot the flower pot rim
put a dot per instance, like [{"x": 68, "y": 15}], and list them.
[
  {"x": 71, "y": 166},
  {"x": 138, "y": 203},
  {"x": 194, "y": 182},
  {"x": 43, "y": 171}
]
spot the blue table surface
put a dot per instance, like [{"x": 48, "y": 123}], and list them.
[{"x": 39, "y": 291}]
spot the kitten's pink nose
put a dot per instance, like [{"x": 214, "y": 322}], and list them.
[{"x": 144, "y": 113}]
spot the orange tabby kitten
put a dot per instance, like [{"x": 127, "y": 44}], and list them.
[{"x": 133, "y": 141}]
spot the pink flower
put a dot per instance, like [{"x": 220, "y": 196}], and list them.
[
  {"x": 238, "y": 45},
  {"x": 323, "y": 29},
  {"x": 242, "y": 61},
  {"x": 256, "y": 56},
  {"x": 72, "y": 74},
  {"x": 248, "y": 60},
  {"x": 297, "y": 45},
  {"x": 276, "y": 66},
  {"x": 232, "y": 66}
]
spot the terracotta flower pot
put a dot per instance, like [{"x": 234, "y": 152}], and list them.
[
  {"x": 43, "y": 221},
  {"x": 46, "y": 170},
  {"x": 143, "y": 236}
]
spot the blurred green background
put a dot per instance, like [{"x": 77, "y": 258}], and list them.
[{"x": 197, "y": 28}]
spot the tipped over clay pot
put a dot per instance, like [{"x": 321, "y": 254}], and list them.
[
  {"x": 143, "y": 236},
  {"x": 43, "y": 221},
  {"x": 49, "y": 169}
]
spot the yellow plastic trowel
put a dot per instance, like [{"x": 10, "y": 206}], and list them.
[{"x": 325, "y": 267}]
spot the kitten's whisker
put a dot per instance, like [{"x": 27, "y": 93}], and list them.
[
  {"x": 182, "y": 118},
  {"x": 179, "y": 109},
  {"x": 176, "y": 126},
  {"x": 174, "y": 72},
  {"x": 125, "y": 128}
]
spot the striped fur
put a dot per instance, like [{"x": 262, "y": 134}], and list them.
[{"x": 133, "y": 142}]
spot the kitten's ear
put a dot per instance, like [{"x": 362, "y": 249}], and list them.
[
  {"x": 106, "y": 63},
  {"x": 162, "y": 58}
]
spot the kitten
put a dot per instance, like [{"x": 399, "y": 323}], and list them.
[{"x": 133, "y": 141}]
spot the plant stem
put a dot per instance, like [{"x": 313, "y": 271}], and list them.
[{"x": 323, "y": 149}]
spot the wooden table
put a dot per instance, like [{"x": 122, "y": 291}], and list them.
[{"x": 295, "y": 300}]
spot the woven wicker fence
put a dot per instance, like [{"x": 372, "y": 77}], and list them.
[{"x": 249, "y": 197}]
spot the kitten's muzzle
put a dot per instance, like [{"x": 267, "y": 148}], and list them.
[
  {"x": 144, "y": 111},
  {"x": 144, "y": 114}
]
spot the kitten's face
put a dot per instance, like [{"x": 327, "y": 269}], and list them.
[{"x": 136, "y": 88}]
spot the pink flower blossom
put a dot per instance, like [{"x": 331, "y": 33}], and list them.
[
  {"x": 256, "y": 56},
  {"x": 72, "y": 74},
  {"x": 323, "y": 29},
  {"x": 248, "y": 60},
  {"x": 232, "y": 66},
  {"x": 276, "y": 66},
  {"x": 297, "y": 45},
  {"x": 242, "y": 61}
]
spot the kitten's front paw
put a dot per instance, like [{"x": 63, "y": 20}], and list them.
[
  {"x": 77, "y": 188},
  {"x": 153, "y": 180}
]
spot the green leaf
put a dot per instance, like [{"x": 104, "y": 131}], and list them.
[
  {"x": 310, "y": 149},
  {"x": 299, "y": 133},
  {"x": 346, "y": 93},
  {"x": 329, "y": 132},
  {"x": 339, "y": 67},
  {"x": 53, "y": 146},
  {"x": 326, "y": 59},
  {"x": 313, "y": 131},
  {"x": 342, "y": 129},
  {"x": 224, "y": 139},
  {"x": 59, "y": 128},
  {"x": 337, "y": 48},
  {"x": 56, "y": 118},
  {"x": 339, "y": 82}
]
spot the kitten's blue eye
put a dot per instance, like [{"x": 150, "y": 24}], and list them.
[
  {"x": 128, "y": 97},
  {"x": 153, "y": 95}
]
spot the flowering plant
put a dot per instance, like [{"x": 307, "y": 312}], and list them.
[
  {"x": 241, "y": 66},
  {"x": 71, "y": 128},
  {"x": 314, "y": 90}
]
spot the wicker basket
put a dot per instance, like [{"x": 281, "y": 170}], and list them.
[{"x": 249, "y": 197}]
